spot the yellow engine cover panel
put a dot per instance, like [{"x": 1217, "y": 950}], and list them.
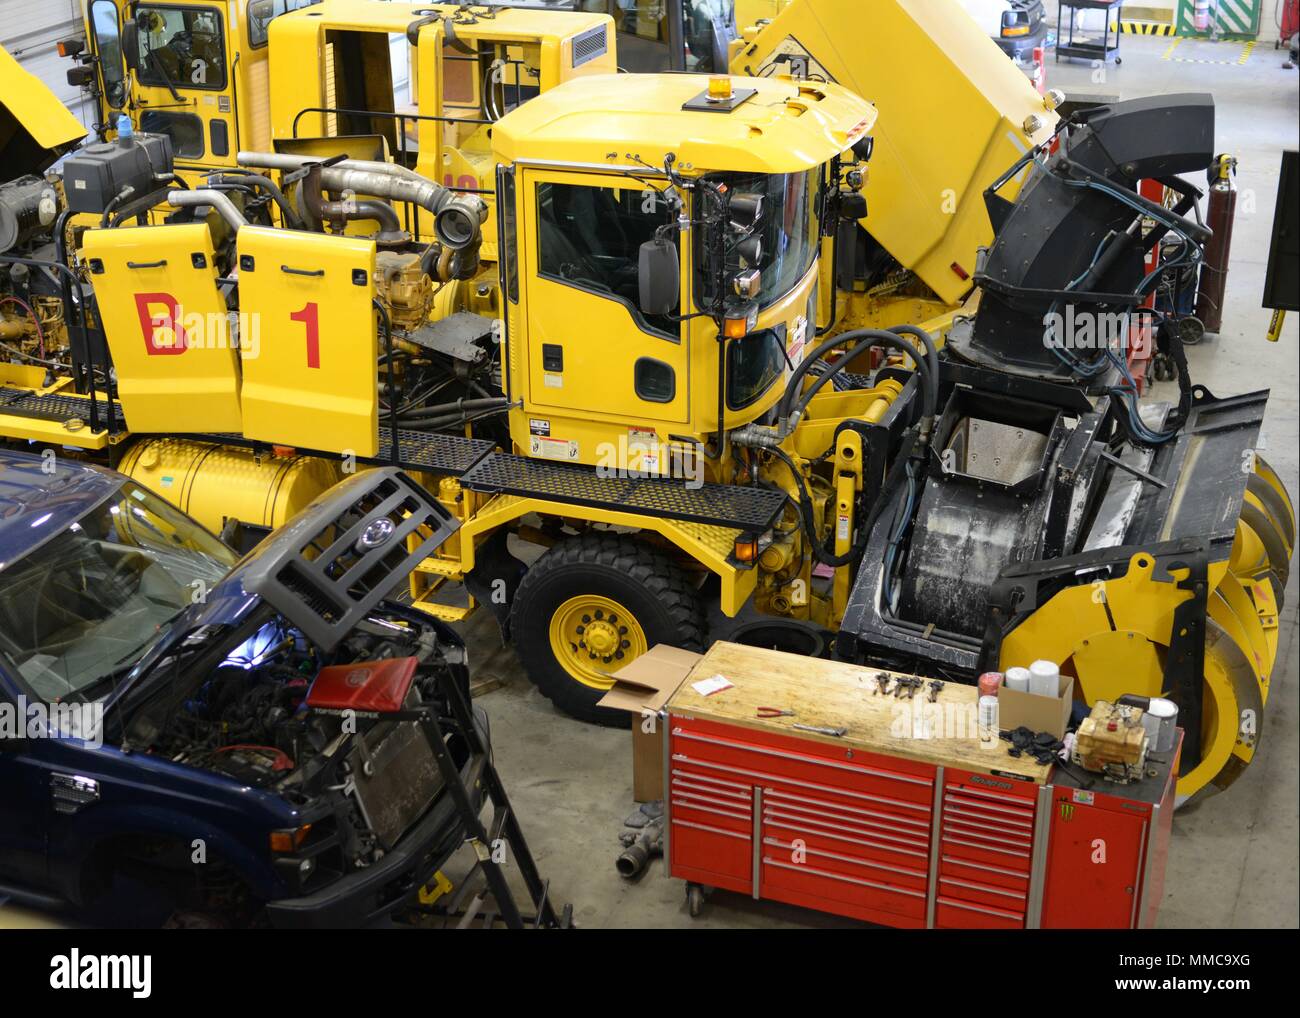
[
  {"x": 313, "y": 382},
  {"x": 167, "y": 327}
]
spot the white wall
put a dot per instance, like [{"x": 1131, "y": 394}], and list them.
[{"x": 29, "y": 30}]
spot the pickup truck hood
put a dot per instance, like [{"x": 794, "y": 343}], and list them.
[{"x": 324, "y": 570}]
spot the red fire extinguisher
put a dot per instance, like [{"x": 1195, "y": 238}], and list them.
[{"x": 1221, "y": 208}]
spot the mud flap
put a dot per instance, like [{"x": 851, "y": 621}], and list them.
[{"x": 495, "y": 578}]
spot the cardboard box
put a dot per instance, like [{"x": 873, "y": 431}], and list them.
[
  {"x": 642, "y": 688},
  {"x": 1037, "y": 713}
]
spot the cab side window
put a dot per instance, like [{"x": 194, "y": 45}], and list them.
[
  {"x": 591, "y": 237},
  {"x": 181, "y": 48}
]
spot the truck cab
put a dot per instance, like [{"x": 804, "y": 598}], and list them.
[
  {"x": 739, "y": 188},
  {"x": 193, "y": 71}
]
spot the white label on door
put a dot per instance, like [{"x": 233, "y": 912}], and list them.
[{"x": 552, "y": 448}]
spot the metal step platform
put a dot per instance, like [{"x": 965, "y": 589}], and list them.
[
  {"x": 58, "y": 407},
  {"x": 753, "y": 510},
  {"x": 432, "y": 451}
]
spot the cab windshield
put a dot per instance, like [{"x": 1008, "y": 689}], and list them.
[
  {"x": 787, "y": 228},
  {"x": 85, "y": 604}
]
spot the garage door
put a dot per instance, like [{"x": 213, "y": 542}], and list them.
[{"x": 29, "y": 30}]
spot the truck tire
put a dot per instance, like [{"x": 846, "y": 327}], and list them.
[{"x": 591, "y": 605}]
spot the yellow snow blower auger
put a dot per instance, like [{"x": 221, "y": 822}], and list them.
[{"x": 1144, "y": 549}]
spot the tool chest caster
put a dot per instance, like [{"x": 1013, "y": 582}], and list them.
[{"x": 694, "y": 899}]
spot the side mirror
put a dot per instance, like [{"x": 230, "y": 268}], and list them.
[
  {"x": 131, "y": 45},
  {"x": 659, "y": 275}
]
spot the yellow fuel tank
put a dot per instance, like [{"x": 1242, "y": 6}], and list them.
[{"x": 217, "y": 483}]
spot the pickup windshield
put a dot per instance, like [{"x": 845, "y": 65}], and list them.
[{"x": 85, "y": 605}]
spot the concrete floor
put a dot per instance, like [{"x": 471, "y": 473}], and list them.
[{"x": 1233, "y": 860}]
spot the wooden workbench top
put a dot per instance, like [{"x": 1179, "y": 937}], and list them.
[{"x": 831, "y": 694}]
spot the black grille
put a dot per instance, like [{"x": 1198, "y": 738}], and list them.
[
  {"x": 589, "y": 45},
  {"x": 722, "y": 505},
  {"x": 338, "y": 558},
  {"x": 54, "y": 407}
]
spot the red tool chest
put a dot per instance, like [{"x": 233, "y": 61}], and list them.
[{"x": 882, "y": 834}]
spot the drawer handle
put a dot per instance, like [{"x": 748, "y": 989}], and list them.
[
  {"x": 677, "y": 802},
  {"x": 840, "y": 876},
  {"x": 1024, "y": 815},
  {"x": 302, "y": 272},
  {"x": 734, "y": 786},
  {"x": 833, "y": 808},
  {"x": 774, "y": 779},
  {"x": 851, "y": 823},
  {"x": 984, "y": 848},
  {"x": 980, "y": 887},
  {"x": 1002, "y": 797},
  {"x": 987, "y": 817},
  {"x": 1018, "y": 917},
  {"x": 967, "y": 830},
  {"x": 710, "y": 830},
  {"x": 792, "y": 819},
  {"x": 692, "y": 788},
  {"x": 952, "y": 860},
  {"x": 803, "y": 833},
  {"x": 147, "y": 265},
  {"x": 917, "y": 874},
  {"x": 803, "y": 758}
]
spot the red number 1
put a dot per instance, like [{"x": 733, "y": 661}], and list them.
[{"x": 311, "y": 320}]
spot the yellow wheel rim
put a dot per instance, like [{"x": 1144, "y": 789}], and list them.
[{"x": 592, "y": 636}]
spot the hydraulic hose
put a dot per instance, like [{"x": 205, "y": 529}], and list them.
[
  {"x": 931, "y": 353},
  {"x": 268, "y": 185},
  {"x": 791, "y": 403},
  {"x": 789, "y": 416}
]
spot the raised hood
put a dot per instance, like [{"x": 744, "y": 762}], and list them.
[{"x": 35, "y": 127}]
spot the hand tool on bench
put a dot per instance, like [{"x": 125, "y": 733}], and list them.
[{"x": 836, "y": 733}]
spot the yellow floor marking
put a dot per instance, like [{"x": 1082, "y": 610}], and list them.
[{"x": 1169, "y": 50}]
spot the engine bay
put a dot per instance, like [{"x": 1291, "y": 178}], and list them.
[{"x": 250, "y": 717}]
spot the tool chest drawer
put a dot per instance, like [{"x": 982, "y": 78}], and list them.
[
  {"x": 955, "y": 914},
  {"x": 986, "y": 851},
  {"x": 876, "y": 839},
  {"x": 812, "y": 884},
  {"x": 711, "y": 854},
  {"x": 804, "y": 764}
]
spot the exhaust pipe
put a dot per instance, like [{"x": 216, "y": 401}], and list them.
[
  {"x": 457, "y": 219},
  {"x": 217, "y": 199}
]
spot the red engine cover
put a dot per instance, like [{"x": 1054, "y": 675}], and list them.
[{"x": 376, "y": 687}]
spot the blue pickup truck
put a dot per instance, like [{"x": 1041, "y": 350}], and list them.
[{"x": 157, "y": 726}]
